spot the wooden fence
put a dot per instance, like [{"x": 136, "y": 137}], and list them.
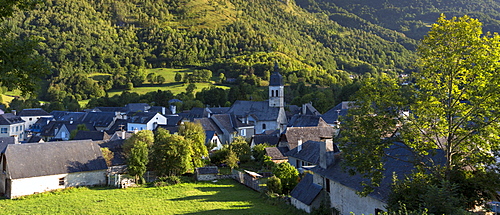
[{"x": 247, "y": 179}]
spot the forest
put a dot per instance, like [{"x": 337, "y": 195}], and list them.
[{"x": 327, "y": 47}]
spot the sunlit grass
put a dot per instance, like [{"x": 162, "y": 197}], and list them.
[{"x": 222, "y": 197}]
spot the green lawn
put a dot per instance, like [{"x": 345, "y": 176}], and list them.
[{"x": 222, "y": 197}]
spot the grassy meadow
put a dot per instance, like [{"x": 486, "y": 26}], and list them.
[{"x": 222, "y": 197}]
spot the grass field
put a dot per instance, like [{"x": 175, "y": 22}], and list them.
[{"x": 222, "y": 197}]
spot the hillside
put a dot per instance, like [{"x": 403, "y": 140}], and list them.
[
  {"x": 411, "y": 17},
  {"x": 236, "y": 37}
]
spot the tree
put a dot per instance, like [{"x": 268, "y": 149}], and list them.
[
  {"x": 107, "y": 155},
  {"x": 259, "y": 151},
  {"x": 151, "y": 77},
  {"x": 136, "y": 150},
  {"x": 137, "y": 160},
  {"x": 160, "y": 79},
  {"x": 288, "y": 175},
  {"x": 241, "y": 148},
  {"x": 195, "y": 133},
  {"x": 274, "y": 185},
  {"x": 231, "y": 159},
  {"x": 171, "y": 154},
  {"x": 178, "y": 77},
  {"x": 451, "y": 110}
]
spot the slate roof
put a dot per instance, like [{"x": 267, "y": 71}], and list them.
[
  {"x": 41, "y": 159},
  {"x": 264, "y": 138},
  {"x": 306, "y": 190},
  {"x": 116, "y": 147},
  {"x": 332, "y": 115},
  {"x": 4, "y": 141},
  {"x": 93, "y": 135},
  {"x": 397, "y": 163},
  {"x": 140, "y": 117},
  {"x": 33, "y": 112},
  {"x": 67, "y": 116},
  {"x": 49, "y": 129},
  {"x": 173, "y": 120},
  {"x": 306, "y": 121},
  {"x": 118, "y": 126},
  {"x": 110, "y": 109},
  {"x": 10, "y": 119},
  {"x": 219, "y": 110},
  {"x": 225, "y": 121},
  {"x": 209, "y": 125},
  {"x": 135, "y": 107},
  {"x": 35, "y": 139},
  {"x": 99, "y": 119},
  {"x": 275, "y": 153},
  {"x": 207, "y": 170},
  {"x": 160, "y": 110},
  {"x": 293, "y": 134},
  {"x": 310, "y": 152},
  {"x": 260, "y": 110}
]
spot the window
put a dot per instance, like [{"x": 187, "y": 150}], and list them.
[
  {"x": 327, "y": 184},
  {"x": 61, "y": 181},
  {"x": 243, "y": 132},
  {"x": 263, "y": 126},
  {"x": 3, "y": 131},
  {"x": 272, "y": 93},
  {"x": 31, "y": 119}
]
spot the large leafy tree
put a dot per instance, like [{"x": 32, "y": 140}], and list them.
[
  {"x": 195, "y": 133},
  {"x": 20, "y": 66},
  {"x": 136, "y": 150},
  {"x": 451, "y": 113},
  {"x": 171, "y": 154}
]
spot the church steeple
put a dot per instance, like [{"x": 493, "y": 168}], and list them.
[{"x": 276, "y": 88}]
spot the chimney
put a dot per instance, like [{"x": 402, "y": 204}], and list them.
[
  {"x": 299, "y": 145},
  {"x": 123, "y": 134},
  {"x": 304, "y": 109},
  {"x": 163, "y": 111},
  {"x": 326, "y": 152},
  {"x": 16, "y": 139},
  {"x": 14, "y": 112},
  {"x": 172, "y": 109}
]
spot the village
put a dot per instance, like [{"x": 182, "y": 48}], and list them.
[{"x": 298, "y": 135}]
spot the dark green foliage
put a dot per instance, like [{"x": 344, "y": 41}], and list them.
[
  {"x": 167, "y": 181},
  {"x": 137, "y": 152},
  {"x": 274, "y": 185},
  {"x": 213, "y": 96},
  {"x": 241, "y": 148},
  {"x": 178, "y": 77},
  {"x": 288, "y": 174},
  {"x": 259, "y": 151}
]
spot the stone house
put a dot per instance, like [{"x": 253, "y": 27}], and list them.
[{"x": 38, "y": 167}]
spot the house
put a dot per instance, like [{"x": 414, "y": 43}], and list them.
[
  {"x": 207, "y": 173},
  {"x": 212, "y": 139},
  {"x": 92, "y": 135},
  {"x": 31, "y": 116},
  {"x": 58, "y": 130},
  {"x": 12, "y": 125},
  {"x": 293, "y": 135},
  {"x": 231, "y": 127},
  {"x": 144, "y": 121},
  {"x": 276, "y": 154},
  {"x": 306, "y": 154},
  {"x": 100, "y": 121},
  {"x": 332, "y": 116},
  {"x": 341, "y": 187},
  {"x": 306, "y": 195},
  {"x": 270, "y": 139},
  {"x": 38, "y": 167}
]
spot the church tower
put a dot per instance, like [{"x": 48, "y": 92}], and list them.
[{"x": 276, "y": 89}]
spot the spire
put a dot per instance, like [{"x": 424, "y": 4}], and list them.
[{"x": 276, "y": 79}]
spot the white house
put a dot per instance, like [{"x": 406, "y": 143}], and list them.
[
  {"x": 12, "y": 125},
  {"x": 144, "y": 121},
  {"x": 31, "y": 116},
  {"x": 38, "y": 167}
]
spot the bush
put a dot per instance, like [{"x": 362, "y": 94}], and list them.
[
  {"x": 167, "y": 181},
  {"x": 274, "y": 185}
]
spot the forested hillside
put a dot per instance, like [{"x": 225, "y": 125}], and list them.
[
  {"x": 411, "y": 17},
  {"x": 236, "y": 37},
  {"x": 317, "y": 42}
]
